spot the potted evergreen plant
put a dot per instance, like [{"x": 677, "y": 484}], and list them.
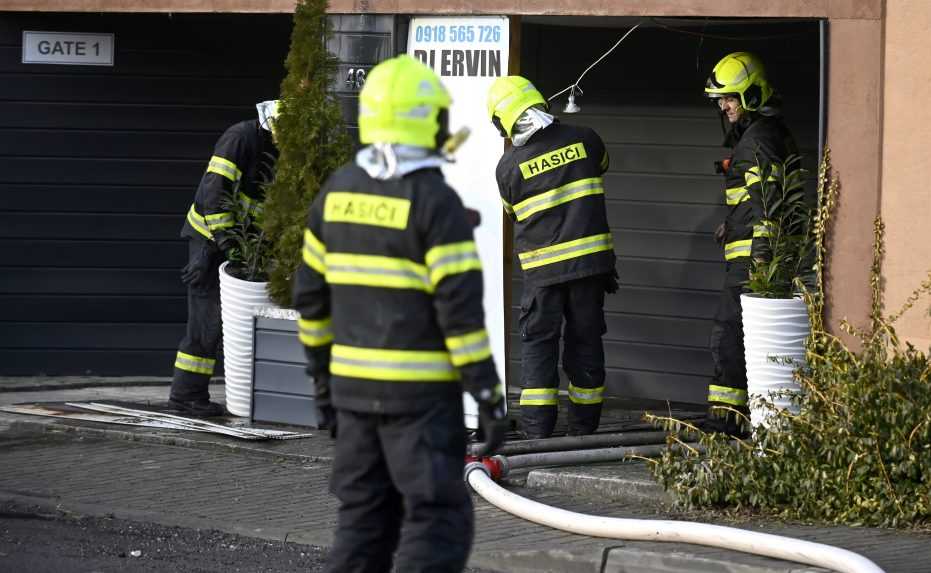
[
  {"x": 312, "y": 142},
  {"x": 775, "y": 317}
]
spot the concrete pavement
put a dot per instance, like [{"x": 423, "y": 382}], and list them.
[{"x": 278, "y": 490}]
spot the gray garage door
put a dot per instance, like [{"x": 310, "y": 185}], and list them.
[
  {"x": 664, "y": 199},
  {"x": 98, "y": 166}
]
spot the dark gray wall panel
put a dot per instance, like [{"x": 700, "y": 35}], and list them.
[
  {"x": 93, "y": 308},
  {"x": 105, "y": 362},
  {"x": 92, "y": 336},
  {"x": 92, "y": 253},
  {"x": 278, "y": 347},
  {"x": 23, "y": 280},
  {"x": 282, "y": 377},
  {"x": 75, "y": 226},
  {"x": 129, "y": 199}
]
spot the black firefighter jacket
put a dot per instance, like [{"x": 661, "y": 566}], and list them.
[
  {"x": 763, "y": 144},
  {"x": 390, "y": 294},
  {"x": 243, "y": 160},
  {"x": 553, "y": 191}
]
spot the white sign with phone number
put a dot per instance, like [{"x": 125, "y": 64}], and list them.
[{"x": 468, "y": 53}]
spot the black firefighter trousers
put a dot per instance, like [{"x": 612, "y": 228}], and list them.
[
  {"x": 405, "y": 470},
  {"x": 197, "y": 352},
  {"x": 542, "y": 310},
  {"x": 729, "y": 385}
]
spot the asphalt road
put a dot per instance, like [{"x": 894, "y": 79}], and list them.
[{"x": 36, "y": 542}]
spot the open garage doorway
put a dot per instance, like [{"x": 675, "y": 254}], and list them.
[{"x": 664, "y": 198}]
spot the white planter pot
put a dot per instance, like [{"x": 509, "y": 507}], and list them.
[
  {"x": 775, "y": 331},
  {"x": 238, "y": 300}
]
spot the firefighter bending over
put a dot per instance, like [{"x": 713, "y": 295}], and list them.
[
  {"x": 759, "y": 139},
  {"x": 243, "y": 161},
  {"x": 390, "y": 298},
  {"x": 550, "y": 181}
]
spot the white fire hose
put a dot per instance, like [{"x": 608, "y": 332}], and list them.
[{"x": 478, "y": 474}]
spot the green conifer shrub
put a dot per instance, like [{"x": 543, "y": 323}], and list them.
[
  {"x": 312, "y": 141},
  {"x": 859, "y": 451}
]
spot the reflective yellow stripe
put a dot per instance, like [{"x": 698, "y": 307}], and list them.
[
  {"x": 468, "y": 348},
  {"x": 224, "y": 167},
  {"x": 392, "y": 365},
  {"x": 217, "y": 221},
  {"x": 725, "y": 395},
  {"x": 314, "y": 252},
  {"x": 538, "y": 397},
  {"x": 558, "y": 196},
  {"x": 507, "y": 207},
  {"x": 736, "y": 195},
  {"x": 763, "y": 229},
  {"x": 605, "y": 161},
  {"x": 586, "y": 395},
  {"x": 452, "y": 258},
  {"x": 376, "y": 271},
  {"x": 567, "y": 250},
  {"x": 315, "y": 332},
  {"x": 737, "y": 249},
  {"x": 254, "y": 207},
  {"x": 753, "y": 175},
  {"x": 195, "y": 364},
  {"x": 196, "y": 221}
]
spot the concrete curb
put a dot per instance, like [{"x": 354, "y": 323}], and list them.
[{"x": 622, "y": 481}]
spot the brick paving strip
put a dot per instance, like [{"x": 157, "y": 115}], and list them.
[{"x": 287, "y": 499}]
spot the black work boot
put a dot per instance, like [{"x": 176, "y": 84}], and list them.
[
  {"x": 722, "y": 420},
  {"x": 202, "y": 408}
]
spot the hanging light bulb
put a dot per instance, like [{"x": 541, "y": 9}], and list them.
[{"x": 571, "y": 107}]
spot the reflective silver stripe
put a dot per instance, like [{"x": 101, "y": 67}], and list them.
[
  {"x": 198, "y": 223},
  {"x": 558, "y": 196},
  {"x": 195, "y": 364},
  {"x": 377, "y": 271},
  {"x": 586, "y": 395},
  {"x": 219, "y": 221},
  {"x": 567, "y": 250},
  {"x": 725, "y": 395}
]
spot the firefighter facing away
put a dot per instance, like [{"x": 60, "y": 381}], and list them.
[
  {"x": 243, "y": 160},
  {"x": 550, "y": 181},
  {"x": 391, "y": 319},
  {"x": 759, "y": 140}
]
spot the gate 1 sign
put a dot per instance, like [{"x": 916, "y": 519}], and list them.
[
  {"x": 468, "y": 53},
  {"x": 67, "y": 48}
]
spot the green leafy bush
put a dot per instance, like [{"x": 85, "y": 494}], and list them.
[
  {"x": 312, "y": 141},
  {"x": 859, "y": 452}
]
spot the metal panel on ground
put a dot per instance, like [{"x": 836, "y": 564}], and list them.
[
  {"x": 664, "y": 199},
  {"x": 98, "y": 165}
]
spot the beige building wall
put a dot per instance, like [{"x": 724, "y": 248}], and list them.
[{"x": 906, "y": 190}]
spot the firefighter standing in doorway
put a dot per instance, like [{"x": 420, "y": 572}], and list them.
[
  {"x": 550, "y": 181},
  {"x": 390, "y": 299},
  {"x": 243, "y": 160},
  {"x": 759, "y": 139}
]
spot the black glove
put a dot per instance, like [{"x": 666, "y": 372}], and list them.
[
  {"x": 611, "y": 285},
  {"x": 720, "y": 233},
  {"x": 493, "y": 420},
  {"x": 196, "y": 272},
  {"x": 326, "y": 414}
]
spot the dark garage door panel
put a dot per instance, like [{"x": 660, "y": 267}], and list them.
[
  {"x": 157, "y": 282},
  {"x": 144, "y": 308},
  {"x": 91, "y": 253},
  {"x": 68, "y": 115},
  {"x": 130, "y": 199}
]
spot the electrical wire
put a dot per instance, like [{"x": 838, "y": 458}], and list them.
[{"x": 575, "y": 86}]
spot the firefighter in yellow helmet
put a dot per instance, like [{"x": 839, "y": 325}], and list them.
[
  {"x": 550, "y": 181},
  {"x": 759, "y": 139},
  {"x": 243, "y": 161},
  {"x": 391, "y": 318}
]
